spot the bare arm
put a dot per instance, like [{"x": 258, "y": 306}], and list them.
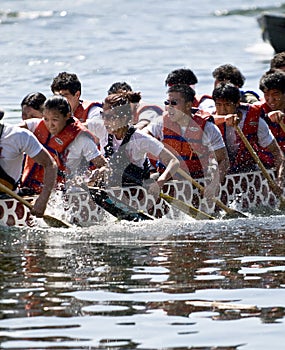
[
  {"x": 218, "y": 170},
  {"x": 172, "y": 165},
  {"x": 278, "y": 161},
  {"x": 99, "y": 161},
  {"x": 223, "y": 162},
  {"x": 50, "y": 173},
  {"x": 98, "y": 176},
  {"x": 141, "y": 124}
]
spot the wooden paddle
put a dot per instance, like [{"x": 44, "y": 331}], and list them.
[
  {"x": 282, "y": 125},
  {"x": 186, "y": 208},
  {"x": 50, "y": 220},
  {"x": 232, "y": 213},
  {"x": 265, "y": 173}
]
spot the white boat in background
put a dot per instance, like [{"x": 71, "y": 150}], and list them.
[
  {"x": 273, "y": 29},
  {"x": 244, "y": 192}
]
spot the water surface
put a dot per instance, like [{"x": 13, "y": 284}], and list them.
[{"x": 167, "y": 284}]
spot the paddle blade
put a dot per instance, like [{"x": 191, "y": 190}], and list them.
[
  {"x": 116, "y": 207},
  {"x": 234, "y": 215},
  {"x": 55, "y": 222}
]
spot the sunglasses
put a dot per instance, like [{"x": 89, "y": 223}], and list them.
[{"x": 172, "y": 103}]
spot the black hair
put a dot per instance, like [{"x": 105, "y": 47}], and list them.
[
  {"x": 35, "y": 100},
  {"x": 185, "y": 90},
  {"x": 278, "y": 60},
  {"x": 229, "y": 73},
  {"x": 181, "y": 76},
  {"x": 226, "y": 91},
  {"x": 273, "y": 79},
  {"x": 66, "y": 81},
  {"x": 58, "y": 103},
  {"x": 118, "y": 87}
]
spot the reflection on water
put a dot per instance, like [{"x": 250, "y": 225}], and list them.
[{"x": 133, "y": 286}]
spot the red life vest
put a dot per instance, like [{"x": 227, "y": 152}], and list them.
[
  {"x": 275, "y": 128},
  {"x": 33, "y": 173},
  {"x": 243, "y": 160},
  {"x": 144, "y": 107},
  {"x": 200, "y": 99},
  {"x": 82, "y": 110},
  {"x": 193, "y": 155}
]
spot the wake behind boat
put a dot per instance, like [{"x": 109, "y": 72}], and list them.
[{"x": 244, "y": 191}]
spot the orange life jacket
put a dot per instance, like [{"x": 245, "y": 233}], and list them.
[
  {"x": 144, "y": 107},
  {"x": 193, "y": 155},
  {"x": 33, "y": 173},
  {"x": 82, "y": 110}
]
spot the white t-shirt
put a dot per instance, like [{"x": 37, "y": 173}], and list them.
[
  {"x": 94, "y": 112},
  {"x": 96, "y": 127},
  {"x": 207, "y": 104},
  {"x": 14, "y": 142},
  {"x": 212, "y": 137},
  {"x": 78, "y": 153},
  {"x": 139, "y": 145},
  {"x": 148, "y": 112}
]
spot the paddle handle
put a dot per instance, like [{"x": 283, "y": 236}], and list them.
[
  {"x": 282, "y": 125},
  {"x": 15, "y": 195},
  {"x": 265, "y": 173},
  {"x": 186, "y": 208}
]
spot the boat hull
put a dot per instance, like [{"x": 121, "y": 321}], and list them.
[
  {"x": 273, "y": 30},
  {"x": 244, "y": 192}
]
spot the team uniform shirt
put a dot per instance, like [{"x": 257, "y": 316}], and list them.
[
  {"x": 264, "y": 135},
  {"x": 148, "y": 111},
  {"x": 78, "y": 153},
  {"x": 207, "y": 105},
  {"x": 14, "y": 142},
  {"x": 96, "y": 127},
  {"x": 149, "y": 115},
  {"x": 139, "y": 145},
  {"x": 211, "y": 138},
  {"x": 94, "y": 112}
]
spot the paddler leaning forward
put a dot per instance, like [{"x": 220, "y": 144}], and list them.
[
  {"x": 66, "y": 139},
  {"x": 14, "y": 143},
  {"x": 127, "y": 147}
]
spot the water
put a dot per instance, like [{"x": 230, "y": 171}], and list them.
[
  {"x": 127, "y": 285},
  {"x": 136, "y": 41}
]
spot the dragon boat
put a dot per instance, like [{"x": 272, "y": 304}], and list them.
[{"x": 244, "y": 191}]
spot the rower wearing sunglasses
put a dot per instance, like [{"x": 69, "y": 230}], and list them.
[{"x": 192, "y": 137}]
